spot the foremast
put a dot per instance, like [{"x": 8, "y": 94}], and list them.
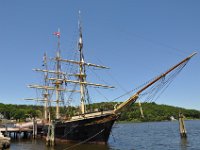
[
  {"x": 82, "y": 72},
  {"x": 82, "y": 75}
]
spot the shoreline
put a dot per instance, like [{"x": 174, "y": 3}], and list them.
[{"x": 138, "y": 121}]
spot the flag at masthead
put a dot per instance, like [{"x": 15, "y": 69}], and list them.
[{"x": 57, "y": 33}]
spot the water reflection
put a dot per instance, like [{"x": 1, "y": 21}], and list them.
[
  {"x": 39, "y": 144},
  {"x": 183, "y": 143},
  {"x": 83, "y": 147}
]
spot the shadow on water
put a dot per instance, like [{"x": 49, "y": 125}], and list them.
[{"x": 39, "y": 144}]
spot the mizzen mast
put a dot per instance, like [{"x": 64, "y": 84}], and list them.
[
  {"x": 46, "y": 92},
  {"x": 45, "y": 98}
]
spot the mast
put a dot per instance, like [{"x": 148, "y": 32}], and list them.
[
  {"x": 134, "y": 97},
  {"x": 59, "y": 77},
  {"x": 46, "y": 93},
  {"x": 58, "y": 69},
  {"x": 45, "y": 98},
  {"x": 82, "y": 75}
]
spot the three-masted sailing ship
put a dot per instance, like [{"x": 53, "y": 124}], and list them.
[{"x": 86, "y": 126}]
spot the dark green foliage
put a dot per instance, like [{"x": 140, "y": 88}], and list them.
[
  {"x": 20, "y": 112},
  {"x": 155, "y": 112},
  {"x": 152, "y": 111}
]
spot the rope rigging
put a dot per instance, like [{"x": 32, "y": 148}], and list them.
[
  {"x": 131, "y": 91},
  {"x": 160, "y": 86}
]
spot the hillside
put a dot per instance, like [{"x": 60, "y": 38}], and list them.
[{"x": 155, "y": 112}]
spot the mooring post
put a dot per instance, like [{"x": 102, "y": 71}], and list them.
[
  {"x": 182, "y": 126},
  {"x": 141, "y": 110},
  {"x": 25, "y": 135}
]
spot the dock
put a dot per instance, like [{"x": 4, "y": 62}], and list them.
[{"x": 19, "y": 130}]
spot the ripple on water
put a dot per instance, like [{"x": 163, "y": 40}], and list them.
[{"x": 132, "y": 136}]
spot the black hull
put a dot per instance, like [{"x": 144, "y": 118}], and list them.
[{"x": 92, "y": 130}]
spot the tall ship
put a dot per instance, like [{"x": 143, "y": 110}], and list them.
[{"x": 84, "y": 125}]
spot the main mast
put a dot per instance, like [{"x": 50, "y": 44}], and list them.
[{"x": 57, "y": 84}]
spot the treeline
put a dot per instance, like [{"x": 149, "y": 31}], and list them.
[
  {"x": 19, "y": 112},
  {"x": 152, "y": 111},
  {"x": 155, "y": 112}
]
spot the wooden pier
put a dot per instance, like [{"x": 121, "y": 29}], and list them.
[{"x": 21, "y": 129}]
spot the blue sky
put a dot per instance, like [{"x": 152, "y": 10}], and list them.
[{"x": 137, "y": 39}]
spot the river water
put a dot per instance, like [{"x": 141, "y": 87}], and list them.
[{"x": 131, "y": 136}]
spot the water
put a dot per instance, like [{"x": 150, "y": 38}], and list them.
[{"x": 132, "y": 136}]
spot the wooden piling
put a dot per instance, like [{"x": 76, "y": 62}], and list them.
[
  {"x": 50, "y": 139},
  {"x": 141, "y": 110},
  {"x": 34, "y": 128},
  {"x": 182, "y": 128},
  {"x": 25, "y": 136}
]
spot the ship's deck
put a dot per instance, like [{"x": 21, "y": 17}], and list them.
[{"x": 91, "y": 115}]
